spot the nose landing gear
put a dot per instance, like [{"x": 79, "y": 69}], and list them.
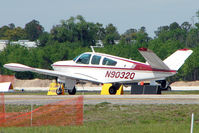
[{"x": 59, "y": 90}]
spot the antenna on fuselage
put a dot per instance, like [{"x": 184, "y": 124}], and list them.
[
  {"x": 92, "y": 48},
  {"x": 99, "y": 44}
]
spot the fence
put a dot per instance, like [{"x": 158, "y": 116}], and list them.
[{"x": 62, "y": 113}]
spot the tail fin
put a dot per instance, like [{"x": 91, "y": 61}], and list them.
[
  {"x": 177, "y": 59},
  {"x": 173, "y": 62}
]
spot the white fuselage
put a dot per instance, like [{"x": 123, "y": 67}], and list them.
[{"x": 119, "y": 70}]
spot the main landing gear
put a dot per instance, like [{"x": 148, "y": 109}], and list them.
[
  {"x": 59, "y": 90},
  {"x": 164, "y": 85},
  {"x": 113, "y": 89},
  {"x": 72, "y": 92}
]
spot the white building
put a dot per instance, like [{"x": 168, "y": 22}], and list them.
[
  {"x": 99, "y": 43},
  {"x": 3, "y": 44},
  {"x": 116, "y": 41},
  {"x": 25, "y": 43}
]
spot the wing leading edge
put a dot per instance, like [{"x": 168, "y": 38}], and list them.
[{"x": 23, "y": 68}]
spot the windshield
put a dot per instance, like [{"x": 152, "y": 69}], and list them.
[
  {"x": 84, "y": 59},
  {"x": 76, "y": 58}
]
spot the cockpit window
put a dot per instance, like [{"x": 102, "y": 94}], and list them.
[
  {"x": 84, "y": 59},
  {"x": 109, "y": 62},
  {"x": 95, "y": 60},
  {"x": 75, "y": 58}
]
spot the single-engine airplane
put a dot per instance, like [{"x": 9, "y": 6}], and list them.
[{"x": 104, "y": 68}]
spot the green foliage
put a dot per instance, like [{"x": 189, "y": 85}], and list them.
[
  {"x": 190, "y": 70},
  {"x": 74, "y": 36},
  {"x": 15, "y": 34},
  {"x": 18, "y": 54},
  {"x": 11, "y": 33},
  {"x": 111, "y": 34},
  {"x": 133, "y": 36},
  {"x": 2, "y": 31},
  {"x": 33, "y": 30},
  {"x": 192, "y": 38},
  {"x": 77, "y": 29},
  {"x": 43, "y": 39}
]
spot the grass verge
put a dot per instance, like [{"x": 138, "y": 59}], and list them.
[{"x": 106, "y": 117}]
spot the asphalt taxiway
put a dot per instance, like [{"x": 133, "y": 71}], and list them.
[{"x": 113, "y": 99}]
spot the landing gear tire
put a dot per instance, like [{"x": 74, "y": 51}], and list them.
[
  {"x": 112, "y": 90},
  {"x": 59, "y": 91},
  {"x": 168, "y": 88},
  {"x": 72, "y": 92}
]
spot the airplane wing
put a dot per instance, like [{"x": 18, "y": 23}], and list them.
[
  {"x": 23, "y": 68},
  {"x": 152, "y": 59}
]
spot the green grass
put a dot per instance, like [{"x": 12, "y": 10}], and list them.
[
  {"x": 19, "y": 108},
  {"x": 106, "y": 117}
]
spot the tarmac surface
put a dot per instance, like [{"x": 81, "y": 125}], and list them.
[
  {"x": 98, "y": 88},
  {"x": 113, "y": 99}
]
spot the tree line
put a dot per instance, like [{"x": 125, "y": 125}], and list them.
[{"x": 75, "y": 35}]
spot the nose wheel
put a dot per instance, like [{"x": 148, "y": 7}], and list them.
[{"x": 59, "y": 90}]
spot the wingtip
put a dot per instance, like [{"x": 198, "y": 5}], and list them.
[
  {"x": 184, "y": 49},
  {"x": 17, "y": 67},
  {"x": 142, "y": 49}
]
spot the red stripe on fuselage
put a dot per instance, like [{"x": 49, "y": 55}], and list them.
[{"x": 141, "y": 68}]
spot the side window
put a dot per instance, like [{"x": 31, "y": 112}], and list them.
[
  {"x": 109, "y": 62},
  {"x": 95, "y": 60},
  {"x": 84, "y": 59}
]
